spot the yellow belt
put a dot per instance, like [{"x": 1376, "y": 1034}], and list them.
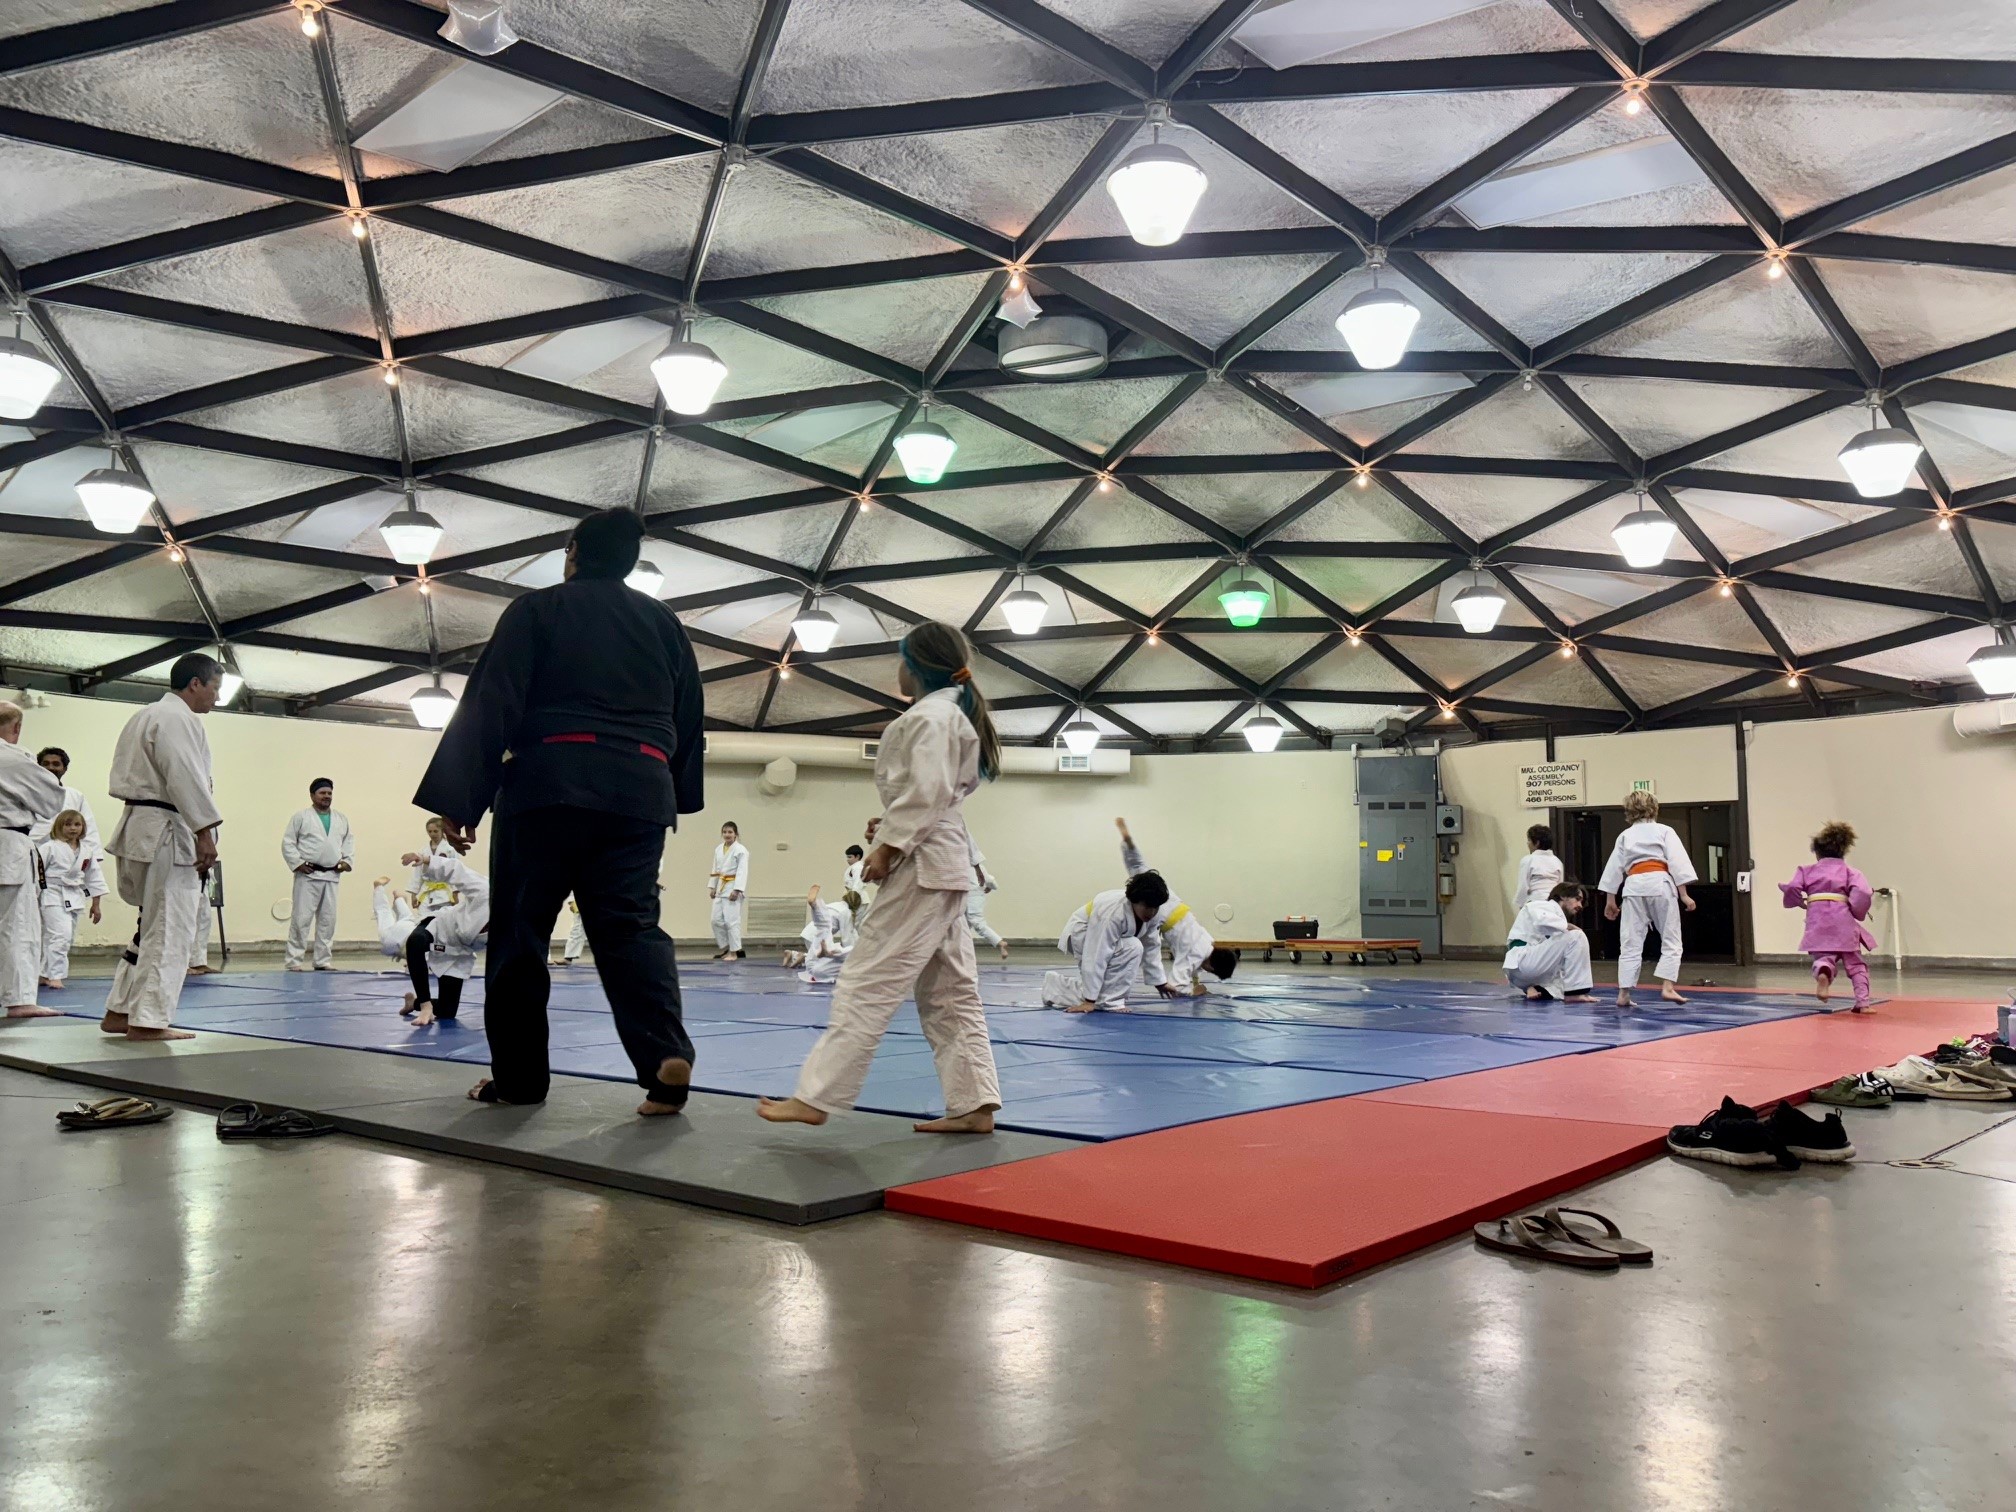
[
  {"x": 1826, "y": 897},
  {"x": 1176, "y": 916}
]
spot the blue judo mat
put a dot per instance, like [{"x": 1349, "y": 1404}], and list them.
[{"x": 1266, "y": 1041}]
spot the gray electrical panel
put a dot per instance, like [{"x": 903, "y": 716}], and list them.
[{"x": 1397, "y": 850}]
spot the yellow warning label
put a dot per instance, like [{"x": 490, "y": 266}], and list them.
[{"x": 1385, "y": 855}]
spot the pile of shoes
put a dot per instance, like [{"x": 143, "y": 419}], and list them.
[
  {"x": 1558, "y": 1237},
  {"x": 1736, "y": 1135},
  {"x": 1975, "y": 1069}
]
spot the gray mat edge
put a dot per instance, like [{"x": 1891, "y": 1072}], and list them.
[{"x": 353, "y": 1119}]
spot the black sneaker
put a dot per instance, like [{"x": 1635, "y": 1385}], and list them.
[
  {"x": 1821, "y": 1139},
  {"x": 1728, "y": 1138}
]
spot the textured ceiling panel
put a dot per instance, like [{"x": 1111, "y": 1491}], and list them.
[
  {"x": 1707, "y": 619},
  {"x": 1809, "y": 624},
  {"x": 59, "y": 203},
  {"x": 882, "y": 52},
  {"x": 1742, "y": 525},
  {"x": 698, "y": 43},
  {"x": 952, "y": 598},
  {"x": 1167, "y": 670},
  {"x": 151, "y": 588},
  {"x": 1359, "y": 514},
  {"x": 137, "y": 360},
  {"x": 1653, "y": 682},
  {"x": 1241, "y": 502},
  {"x": 69, "y": 650},
  {"x": 1590, "y": 531},
  {"x": 1118, "y": 518},
  {"x": 1485, "y": 506},
  {"x": 1810, "y": 449},
  {"x": 1376, "y": 152},
  {"x": 1883, "y": 29},
  {"x": 1921, "y": 558},
  {"x": 1969, "y": 445},
  {"x": 310, "y": 276},
  {"x": 1654, "y": 415},
  {"x": 796, "y": 537},
  {"x": 644, "y": 216},
  {"x": 994, "y": 176},
  {"x": 1539, "y": 297},
  {"x": 604, "y": 474},
  {"x": 1748, "y": 318},
  {"x": 685, "y": 473},
  {"x": 443, "y": 416},
  {"x": 1357, "y": 668},
  {"x": 1093, "y": 415},
  {"x": 772, "y": 219},
  {"x": 1559, "y": 680},
  {"x": 1927, "y": 660},
  {"x": 27, "y": 555},
  {"x": 431, "y": 284},
  {"x": 1357, "y": 584},
  {"x": 1219, "y": 420},
  {"x": 352, "y": 413},
  {"x": 1508, "y": 26},
  {"x": 1807, "y": 148},
  {"x": 1904, "y": 312},
  {"x": 1980, "y": 210},
  {"x": 247, "y": 89},
  {"x": 1514, "y": 422},
  {"x": 906, "y": 323},
  {"x": 1574, "y": 594},
  {"x": 883, "y": 535},
  {"x": 1207, "y": 300}
]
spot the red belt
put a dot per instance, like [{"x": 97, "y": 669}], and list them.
[{"x": 649, "y": 750}]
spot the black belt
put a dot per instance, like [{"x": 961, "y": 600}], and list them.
[
  {"x": 154, "y": 803},
  {"x": 15, "y": 829}
]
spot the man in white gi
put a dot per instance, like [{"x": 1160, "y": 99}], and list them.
[
  {"x": 727, "y": 885},
  {"x": 164, "y": 845},
  {"x": 29, "y": 796},
  {"x": 56, "y": 762},
  {"x": 1545, "y": 954},
  {"x": 318, "y": 849}
]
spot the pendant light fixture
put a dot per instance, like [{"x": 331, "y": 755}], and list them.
[
  {"x": 115, "y": 499},
  {"x": 1479, "y": 605},
  {"x": 1643, "y": 535},
  {"x": 432, "y": 706},
  {"x": 1879, "y": 462},
  {"x": 1024, "y": 609},
  {"x": 478, "y": 26},
  {"x": 815, "y": 628},
  {"x": 410, "y": 534},
  {"x": 925, "y": 449},
  {"x": 688, "y": 373},
  {"x": 1157, "y": 187},
  {"x": 1378, "y": 324},
  {"x": 1994, "y": 667},
  {"x": 26, "y": 375},
  {"x": 1262, "y": 731},
  {"x": 1244, "y": 600},
  {"x": 646, "y": 578},
  {"x": 1081, "y": 736}
]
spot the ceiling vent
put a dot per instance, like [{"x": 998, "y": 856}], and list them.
[
  {"x": 1390, "y": 730},
  {"x": 1055, "y": 348}
]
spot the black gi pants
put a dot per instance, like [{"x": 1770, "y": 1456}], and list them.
[
  {"x": 448, "y": 1002},
  {"x": 610, "y": 864}
]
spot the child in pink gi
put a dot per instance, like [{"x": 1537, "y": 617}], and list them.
[{"x": 1836, "y": 898}]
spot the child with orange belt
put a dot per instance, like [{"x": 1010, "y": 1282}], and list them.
[{"x": 1649, "y": 870}]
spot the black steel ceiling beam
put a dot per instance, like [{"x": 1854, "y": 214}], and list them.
[
  {"x": 1094, "y": 166},
  {"x": 203, "y": 163},
  {"x": 1602, "y": 31},
  {"x": 55, "y": 45},
  {"x": 863, "y": 190},
  {"x": 213, "y": 320},
  {"x": 1878, "y": 75},
  {"x": 1424, "y": 276},
  {"x": 1300, "y": 185},
  {"x": 1986, "y": 157},
  {"x": 858, "y": 123},
  {"x": 1205, "y": 38},
  {"x": 1806, "y": 278},
  {"x": 1706, "y": 28},
  {"x": 1093, "y": 54},
  {"x": 1703, "y": 276},
  {"x": 1303, "y": 291},
  {"x": 507, "y": 174},
  {"x": 1796, "y": 413},
  {"x": 1728, "y": 179},
  {"x": 160, "y": 246},
  {"x": 1407, "y": 76}
]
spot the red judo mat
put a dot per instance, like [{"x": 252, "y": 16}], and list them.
[{"x": 1309, "y": 1194}]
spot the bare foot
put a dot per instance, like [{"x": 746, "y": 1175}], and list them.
[
  {"x": 52, "y": 984},
  {"x": 406, "y": 1008},
  {"x": 979, "y": 1121},
  {"x": 1534, "y": 994},
  {"x": 1085, "y": 1007},
  {"x": 32, "y": 1010},
  {"x": 793, "y": 959},
  {"x": 140, "y": 1033},
  {"x": 1578, "y": 997},
  {"x": 475, "y": 1094},
  {"x": 423, "y": 1015},
  {"x": 1623, "y": 1000},
  {"x": 1671, "y": 993},
  {"x": 1003, "y": 948},
  {"x": 672, "y": 1072},
  {"x": 1822, "y": 981},
  {"x": 380, "y": 881},
  {"x": 112, "y": 1023},
  {"x": 788, "y": 1110}
]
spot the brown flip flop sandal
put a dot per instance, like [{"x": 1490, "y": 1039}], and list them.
[
  {"x": 1532, "y": 1239},
  {"x": 1610, "y": 1240}
]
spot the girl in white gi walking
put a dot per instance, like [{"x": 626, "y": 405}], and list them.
[
  {"x": 1650, "y": 869},
  {"x": 931, "y": 759},
  {"x": 727, "y": 885},
  {"x": 72, "y": 883}
]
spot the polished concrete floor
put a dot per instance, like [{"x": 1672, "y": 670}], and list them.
[{"x": 343, "y": 1325}]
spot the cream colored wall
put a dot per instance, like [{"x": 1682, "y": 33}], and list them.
[
  {"x": 1936, "y": 817},
  {"x": 1285, "y": 844}
]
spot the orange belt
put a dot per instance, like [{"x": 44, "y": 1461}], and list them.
[{"x": 1639, "y": 868}]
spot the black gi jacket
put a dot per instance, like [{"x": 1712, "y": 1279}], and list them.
[{"x": 589, "y": 656}]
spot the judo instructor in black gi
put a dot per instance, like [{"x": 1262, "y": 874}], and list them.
[{"x": 581, "y": 729}]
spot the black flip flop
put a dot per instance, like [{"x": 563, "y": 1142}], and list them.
[
  {"x": 250, "y": 1121},
  {"x": 1610, "y": 1239},
  {"x": 113, "y": 1113},
  {"x": 1532, "y": 1239}
]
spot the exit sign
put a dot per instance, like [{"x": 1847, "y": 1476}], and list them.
[{"x": 1643, "y": 785}]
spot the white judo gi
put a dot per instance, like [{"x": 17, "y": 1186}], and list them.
[
  {"x": 1113, "y": 947},
  {"x": 976, "y": 909},
  {"x": 430, "y": 893},
  {"x": 313, "y": 921},
  {"x": 1648, "y": 866},
  {"x": 161, "y": 772},
  {"x": 577, "y": 935},
  {"x": 28, "y": 796},
  {"x": 729, "y": 877},
  {"x": 72, "y": 799},
  {"x": 71, "y": 877},
  {"x": 916, "y": 935},
  {"x": 1540, "y": 872},
  {"x": 457, "y": 928},
  {"x": 1544, "y": 950},
  {"x": 828, "y": 942},
  {"x": 1190, "y": 943}
]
